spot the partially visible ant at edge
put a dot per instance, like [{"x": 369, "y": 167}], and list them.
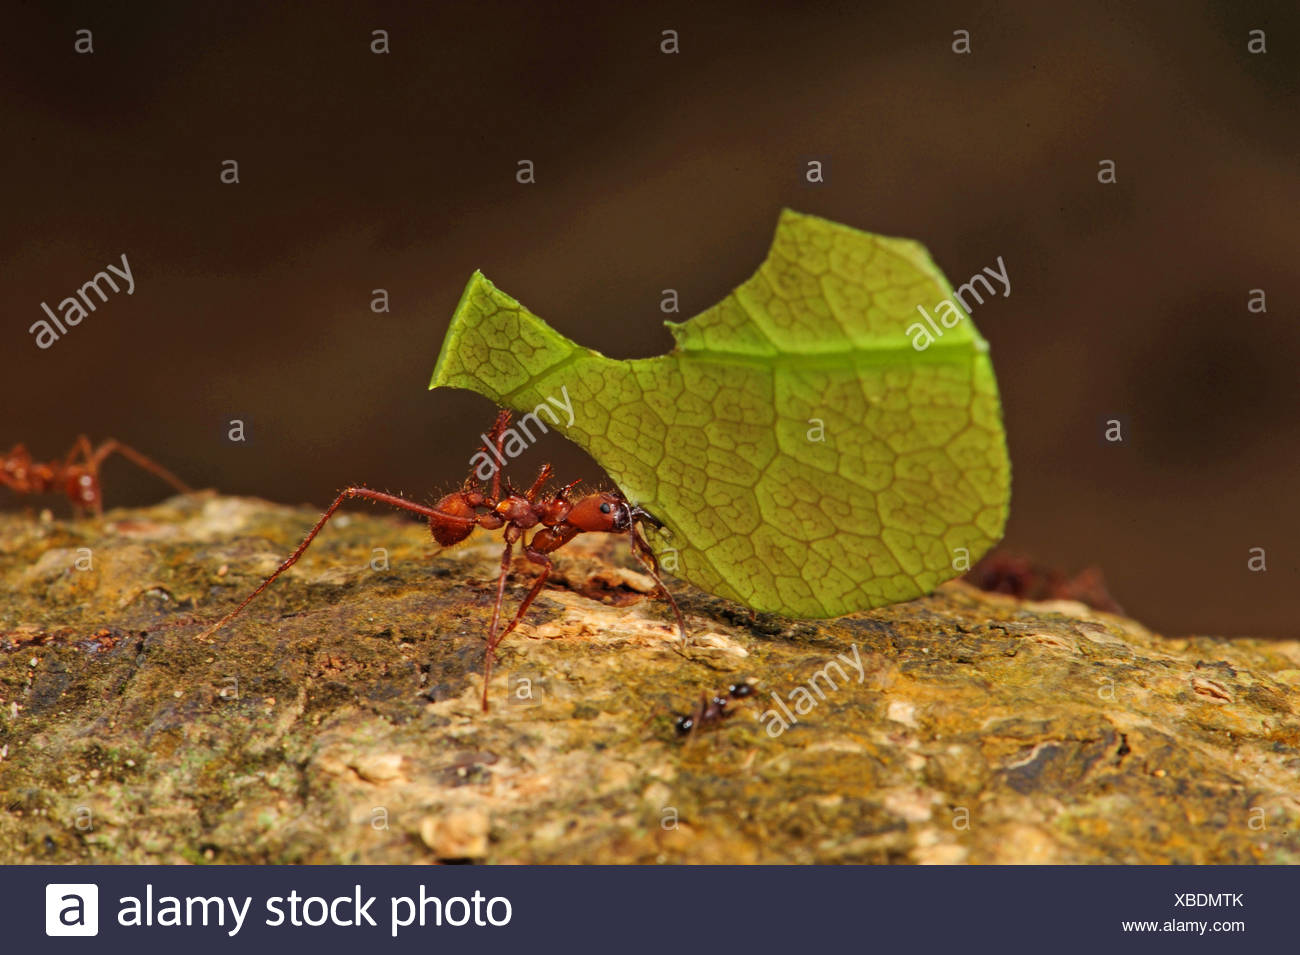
[
  {"x": 711, "y": 711},
  {"x": 455, "y": 516},
  {"x": 1005, "y": 573},
  {"x": 76, "y": 476}
]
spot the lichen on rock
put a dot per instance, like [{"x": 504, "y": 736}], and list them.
[{"x": 337, "y": 719}]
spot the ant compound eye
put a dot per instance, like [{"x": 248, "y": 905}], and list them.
[{"x": 605, "y": 508}]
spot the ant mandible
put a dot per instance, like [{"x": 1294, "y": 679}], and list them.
[
  {"x": 455, "y": 515},
  {"x": 77, "y": 476}
]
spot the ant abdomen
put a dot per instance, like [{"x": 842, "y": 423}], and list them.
[{"x": 447, "y": 532}]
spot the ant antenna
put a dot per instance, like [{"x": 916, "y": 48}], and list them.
[{"x": 641, "y": 548}]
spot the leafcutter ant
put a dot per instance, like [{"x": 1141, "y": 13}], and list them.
[
  {"x": 1004, "y": 573},
  {"x": 77, "y": 476},
  {"x": 711, "y": 711},
  {"x": 455, "y": 515}
]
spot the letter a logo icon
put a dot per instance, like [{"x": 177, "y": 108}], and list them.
[{"x": 71, "y": 908}]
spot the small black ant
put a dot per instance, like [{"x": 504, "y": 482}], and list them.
[{"x": 711, "y": 711}]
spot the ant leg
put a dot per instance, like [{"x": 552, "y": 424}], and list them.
[
  {"x": 701, "y": 708},
  {"x": 90, "y": 480},
  {"x": 361, "y": 492},
  {"x": 80, "y": 447},
  {"x": 511, "y": 535},
  {"x": 135, "y": 457},
  {"x": 641, "y": 548},
  {"x": 537, "y": 557},
  {"x": 537, "y": 485},
  {"x": 545, "y": 563},
  {"x": 563, "y": 493},
  {"x": 497, "y": 437}
]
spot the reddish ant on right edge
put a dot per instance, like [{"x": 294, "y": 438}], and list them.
[{"x": 455, "y": 516}]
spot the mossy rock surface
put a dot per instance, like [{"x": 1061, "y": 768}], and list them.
[{"x": 338, "y": 720}]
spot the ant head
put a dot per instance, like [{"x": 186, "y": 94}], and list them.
[
  {"x": 603, "y": 512},
  {"x": 740, "y": 690},
  {"x": 609, "y": 511}
]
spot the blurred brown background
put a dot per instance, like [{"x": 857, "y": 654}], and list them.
[{"x": 362, "y": 171}]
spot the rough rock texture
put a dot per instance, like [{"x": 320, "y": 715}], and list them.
[{"x": 338, "y": 719}]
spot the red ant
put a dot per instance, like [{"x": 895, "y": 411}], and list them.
[
  {"x": 711, "y": 711},
  {"x": 77, "y": 476},
  {"x": 1005, "y": 573},
  {"x": 455, "y": 516}
]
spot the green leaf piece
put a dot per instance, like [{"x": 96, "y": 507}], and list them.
[{"x": 807, "y": 459}]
